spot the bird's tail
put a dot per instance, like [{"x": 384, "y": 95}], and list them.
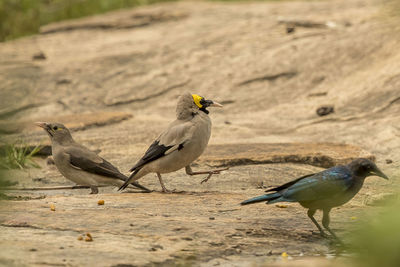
[
  {"x": 267, "y": 197},
  {"x": 128, "y": 181}
]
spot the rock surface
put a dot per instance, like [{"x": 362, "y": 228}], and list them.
[
  {"x": 74, "y": 122},
  {"x": 321, "y": 154},
  {"x": 126, "y": 69}
]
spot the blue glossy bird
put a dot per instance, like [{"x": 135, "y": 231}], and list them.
[{"x": 324, "y": 190}]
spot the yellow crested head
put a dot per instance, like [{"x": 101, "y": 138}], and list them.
[{"x": 197, "y": 99}]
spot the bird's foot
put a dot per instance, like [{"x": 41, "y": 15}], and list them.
[
  {"x": 94, "y": 189},
  {"x": 166, "y": 191},
  {"x": 213, "y": 172},
  {"x": 322, "y": 234},
  {"x": 337, "y": 241},
  {"x": 332, "y": 238}
]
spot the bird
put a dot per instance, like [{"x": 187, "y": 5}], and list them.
[
  {"x": 323, "y": 190},
  {"x": 182, "y": 142},
  {"x": 79, "y": 164}
]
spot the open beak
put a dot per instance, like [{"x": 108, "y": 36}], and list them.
[
  {"x": 216, "y": 104},
  {"x": 379, "y": 173}
]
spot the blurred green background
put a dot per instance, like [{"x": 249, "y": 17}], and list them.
[{"x": 24, "y": 17}]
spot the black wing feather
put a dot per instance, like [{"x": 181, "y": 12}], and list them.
[
  {"x": 284, "y": 186},
  {"x": 155, "y": 151},
  {"x": 104, "y": 168}
]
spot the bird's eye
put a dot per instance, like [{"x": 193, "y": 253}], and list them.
[{"x": 55, "y": 128}]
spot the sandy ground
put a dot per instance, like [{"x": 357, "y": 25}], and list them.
[{"x": 115, "y": 78}]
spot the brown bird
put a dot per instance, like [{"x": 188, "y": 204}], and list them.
[{"x": 79, "y": 164}]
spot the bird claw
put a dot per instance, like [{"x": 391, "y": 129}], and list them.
[
  {"x": 166, "y": 191},
  {"x": 322, "y": 234},
  {"x": 208, "y": 177},
  {"x": 213, "y": 172}
]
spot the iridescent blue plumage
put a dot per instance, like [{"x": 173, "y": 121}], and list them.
[{"x": 324, "y": 190}]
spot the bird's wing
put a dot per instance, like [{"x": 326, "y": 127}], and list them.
[
  {"x": 284, "y": 186},
  {"x": 321, "y": 185},
  {"x": 84, "y": 159},
  {"x": 172, "y": 139}
]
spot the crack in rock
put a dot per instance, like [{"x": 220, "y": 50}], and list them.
[
  {"x": 270, "y": 77},
  {"x": 125, "y": 100},
  {"x": 125, "y": 21}
]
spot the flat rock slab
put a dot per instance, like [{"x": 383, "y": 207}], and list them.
[
  {"x": 317, "y": 154},
  {"x": 153, "y": 228},
  {"x": 72, "y": 121}
]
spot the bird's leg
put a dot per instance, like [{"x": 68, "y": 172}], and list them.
[
  {"x": 325, "y": 223},
  {"x": 310, "y": 214},
  {"x": 189, "y": 171},
  {"x": 164, "y": 189},
  {"x": 94, "y": 189}
]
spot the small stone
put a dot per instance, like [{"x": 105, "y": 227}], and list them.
[
  {"x": 80, "y": 238},
  {"x": 100, "y": 202},
  {"x": 61, "y": 247},
  {"x": 156, "y": 247},
  {"x": 131, "y": 224},
  {"x": 212, "y": 218},
  {"x": 39, "y": 56},
  {"x": 325, "y": 110},
  {"x": 33, "y": 249},
  {"x": 63, "y": 81},
  {"x": 389, "y": 161},
  {"x": 290, "y": 29}
]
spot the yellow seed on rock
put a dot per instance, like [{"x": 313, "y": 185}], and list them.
[
  {"x": 353, "y": 218},
  {"x": 281, "y": 206},
  {"x": 284, "y": 255},
  {"x": 100, "y": 202},
  {"x": 88, "y": 237},
  {"x": 52, "y": 207},
  {"x": 80, "y": 238}
]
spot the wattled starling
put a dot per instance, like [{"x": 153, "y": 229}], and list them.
[
  {"x": 79, "y": 164},
  {"x": 181, "y": 143}
]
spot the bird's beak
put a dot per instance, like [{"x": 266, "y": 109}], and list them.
[
  {"x": 216, "y": 104},
  {"x": 41, "y": 124},
  {"x": 45, "y": 126},
  {"x": 378, "y": 172}
]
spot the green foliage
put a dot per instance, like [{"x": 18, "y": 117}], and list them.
[
  {"x": 378, "y": 242},
  {"x": 18, "y": 156},
  {"x": 24, "y": 17}
]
